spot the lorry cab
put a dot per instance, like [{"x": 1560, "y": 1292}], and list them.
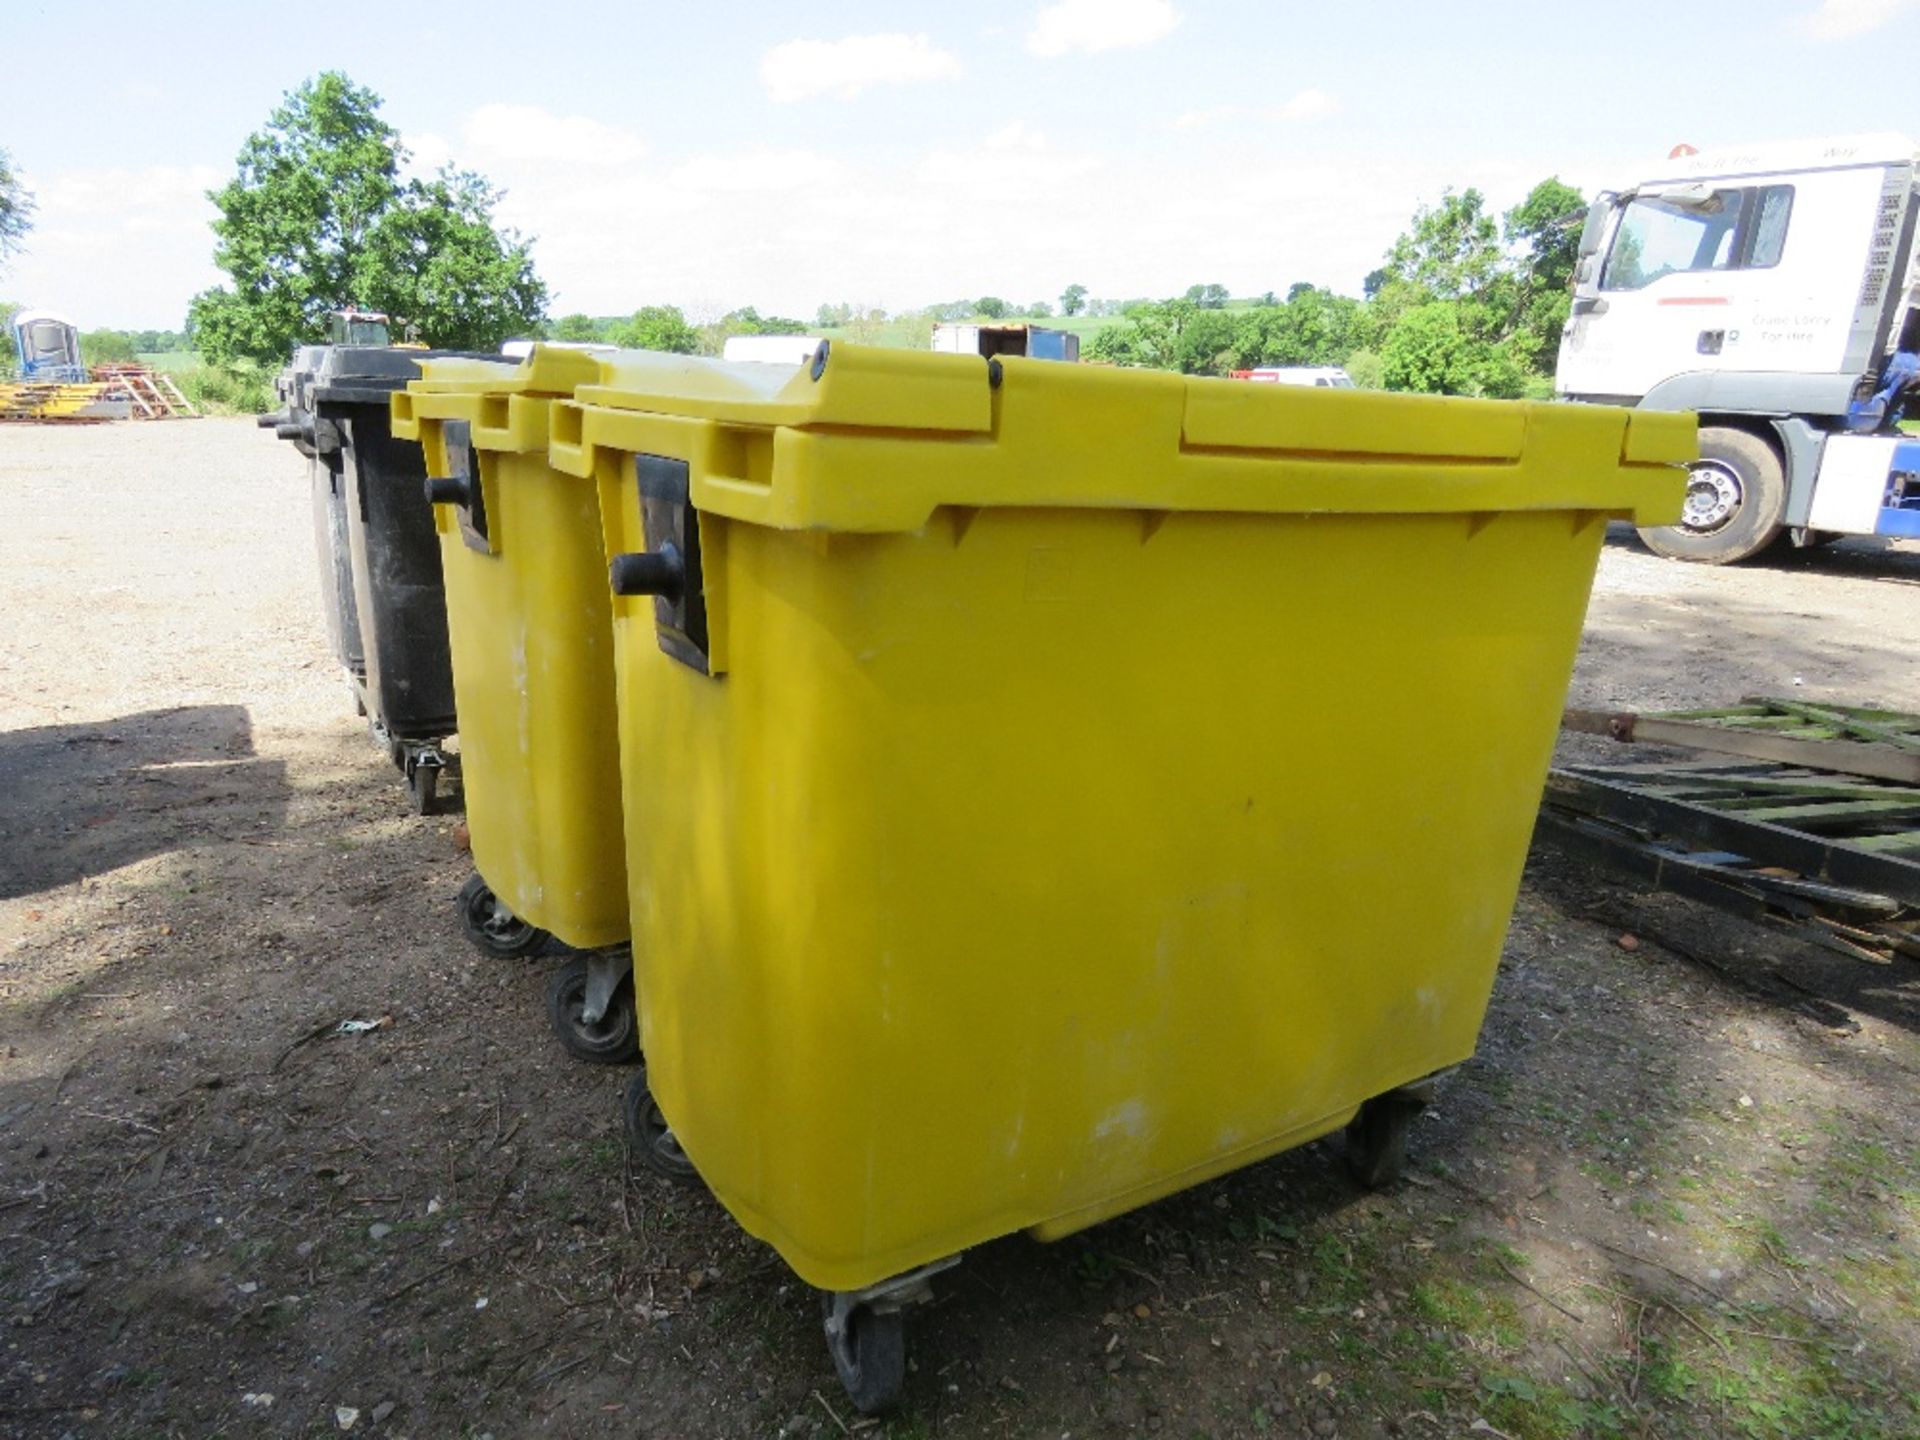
[
  {"x": 358, "y": 327},
  {"x": 1770, "y": 290}
]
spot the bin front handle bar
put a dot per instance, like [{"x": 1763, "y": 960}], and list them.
[
  {"x": 449, "y": 490},
  {"x": 649, "y": 572}
]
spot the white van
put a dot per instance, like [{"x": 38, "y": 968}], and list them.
[{"x": 1326, "y": 377}]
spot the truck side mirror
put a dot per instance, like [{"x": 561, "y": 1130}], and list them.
[{"x": 1596, "y": 225}]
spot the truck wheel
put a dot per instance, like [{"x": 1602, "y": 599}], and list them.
[{"x": 1736, "y": 502}]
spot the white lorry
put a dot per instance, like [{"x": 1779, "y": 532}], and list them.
[{"x": 1773, "y": 291}]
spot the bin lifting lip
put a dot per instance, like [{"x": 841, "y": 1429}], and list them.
[
  {"x": 861, "y": 386},
  {"x": 549, "y": 370},
  {"x": 461, "y": 387},
  {"x": 1280, "y": 419}
]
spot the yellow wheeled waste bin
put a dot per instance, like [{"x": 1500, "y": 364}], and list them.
[
  {"x": 528, "y": 615},
  {"x": 1049, "y": 787}
]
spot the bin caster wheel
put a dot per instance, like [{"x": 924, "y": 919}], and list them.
[
  {"x": 869, "y": 1349},
  {"x": 613, "y": 1039},
  {"x": 423, "y": 786},
  {"x": 493, "y": 928},
  {"x": 1377, "y": 1140},
  {"x": 652, "y": 1138}
]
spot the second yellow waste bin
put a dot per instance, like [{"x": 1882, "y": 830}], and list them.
[
  {"x": 528, "y": 616},
  {"x": 1063, "y": 784}
]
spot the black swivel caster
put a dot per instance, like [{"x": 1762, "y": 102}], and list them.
[
  {"x": 1377, "y": 1138},
  {"x": 651, "y": 1138},
  {"x": 613, "y": 1036},
  {"x": 423, "y": 783},
  {"x": 494, "y": 929},
  {"x": 869, "y": 1349}
]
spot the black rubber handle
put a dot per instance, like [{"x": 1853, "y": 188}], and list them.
[
  {"x": 449, "y": 490},
  {"x": 273, "y": 421},
  {"x": 649, "y": 572},
  {"x": 290, "y": 430}
]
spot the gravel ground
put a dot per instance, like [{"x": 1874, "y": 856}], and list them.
[{"x": 1676, "y": 1194}]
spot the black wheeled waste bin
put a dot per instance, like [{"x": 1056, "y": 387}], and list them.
[
  {"x": 327, "y": 486},
  {"x": 380, "y": 558}
]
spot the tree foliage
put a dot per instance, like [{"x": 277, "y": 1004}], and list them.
[
  {"x": 106, "y": 347},
  {"x": 1466, "y": 303},
  {"x": 1431, "y": 349},
  {"x": 16, "y": 208},
  {"x": 1545, "y": 229},
  {"x": 1073, "y": 299},
  {"x": 656, "y": 327},
  {"x": 576, "y": 327},
  {"x": 318, "y": 216}
]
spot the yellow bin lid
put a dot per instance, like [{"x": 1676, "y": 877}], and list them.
[
  {"x": 875, "y": 439},
  {"x": 505, "y": 401}
]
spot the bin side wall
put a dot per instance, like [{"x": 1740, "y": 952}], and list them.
[
  {"x": 1021, "y": 866},
  {"x": 398, "y": 592},
  {"x": 532, "y": 641}
]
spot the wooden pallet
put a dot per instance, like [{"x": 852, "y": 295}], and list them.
[
  {"x": 1832, "y": 849},
  {"x": 1849, "y": 739},
  {"x": 152, "y": 394}
]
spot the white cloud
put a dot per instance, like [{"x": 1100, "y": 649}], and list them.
[
  {"x": 771, "y": 172},
  {"x": 1844, "y": 19},
  {"x": 118, "y": 247},
  {"x": 527, "y": 132},
  {"x": 426, "y": 154},
  {"x": 1095, "y": 25},
  {"x": 804, "y": 69},
  {"x": 1015, "y": 136},
  {"x": 1307, "y": 105}
]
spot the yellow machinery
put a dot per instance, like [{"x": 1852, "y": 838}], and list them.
[{"x": 1048, "y": 787}]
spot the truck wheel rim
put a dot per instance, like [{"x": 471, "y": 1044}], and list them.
[{"x": 1713, "y": 496}]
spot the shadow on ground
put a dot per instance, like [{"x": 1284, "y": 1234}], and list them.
[{"x": 80, "y": 800}]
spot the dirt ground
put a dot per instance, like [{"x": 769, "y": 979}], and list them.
[{"x": 1677, "y": 1193}]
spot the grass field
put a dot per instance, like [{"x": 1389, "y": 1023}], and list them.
[{"x": 174, "y": 362}]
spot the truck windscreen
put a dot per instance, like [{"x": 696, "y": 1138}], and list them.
[{"x": 1697, "y": 230}]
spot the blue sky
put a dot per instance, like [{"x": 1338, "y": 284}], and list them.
[{"x": 782, "y": 155}]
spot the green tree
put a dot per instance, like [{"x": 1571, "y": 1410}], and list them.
[
  {"x": 1153, "y": 334},
  {"x": 1364, "y": 369},
  {"x": 1452, "y": 251},
  {"x": 1313, "y": 327},
  {"x": 749, "y": 321},
  {"x": 317, "y": 217},
  {"x": 1040, "y": 310},
  {"x": 106, "y": 347},
  {"x": 1073, "y": 299},
  {"x": 435, "y": 259},
  {"x": 991, "y": 307},
  {"x": 1430, "y": 350},
  {"x": 1206, "y": 344},
  {"x": 1545, "y": 230},
  {"x": 577, "y": 328},
  {"x": 16, "y": 208},
  {"x": 656, "y": 327},
  {"x": 829, "y": 317},
  {"x": 1208, "y": 297}
]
